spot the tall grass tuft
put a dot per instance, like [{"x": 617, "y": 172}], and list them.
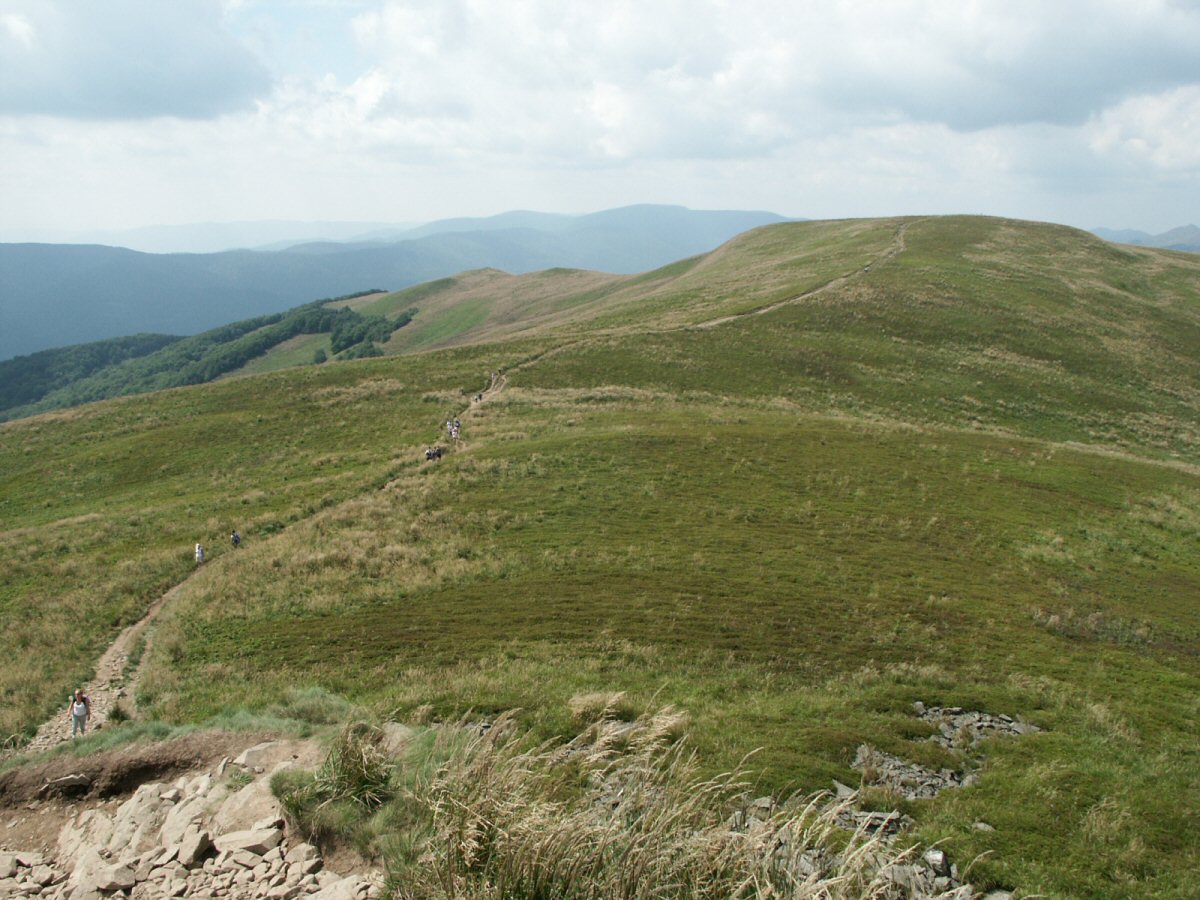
[
  {"x": 352, "y": 783},
  {"x": 357, "y": 768},
  {"x": 619, "y": 812}
]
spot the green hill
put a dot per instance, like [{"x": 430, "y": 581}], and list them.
[
  {"x": 791, "y": 486},
  {"x": 57, "y": 379}
]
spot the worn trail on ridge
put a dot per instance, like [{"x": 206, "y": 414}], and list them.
[
  {"x": 112, "y": 681},
  {"x": 110, "y": 685}
]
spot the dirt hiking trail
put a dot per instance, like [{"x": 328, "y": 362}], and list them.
[
  {"x": 894, "y": 249},
  {"x": 111, "y": 684}
]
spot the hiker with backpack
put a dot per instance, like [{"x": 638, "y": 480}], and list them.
[{"x": 80, "y": 710}]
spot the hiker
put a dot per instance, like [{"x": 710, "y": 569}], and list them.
[
  {"x": 80, "y": 710},
  {"x": 199, "y": 554},
  {"x": 236, "y": 539}
]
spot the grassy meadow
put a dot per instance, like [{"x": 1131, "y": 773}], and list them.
[{"x": 961, "y": 468}]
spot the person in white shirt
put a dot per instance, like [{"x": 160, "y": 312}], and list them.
[{"x": 80, "y": 711}]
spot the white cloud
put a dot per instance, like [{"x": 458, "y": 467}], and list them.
[
  {"x": 1161, "y": 131},
  {"x": 689, "y": 80},
  {"x": 123, "y": 59},
  {"x": 19, "y": 29},
  {"x": 418, "y": 108}
]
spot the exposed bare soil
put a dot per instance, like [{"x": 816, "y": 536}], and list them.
[{"x": 31, "y": 817}]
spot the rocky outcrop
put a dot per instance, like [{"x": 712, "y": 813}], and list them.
[
  {"x": 204, "y": 836},
  {"x": 905, "y": 778},
  {"x": 958, "y": 730}
]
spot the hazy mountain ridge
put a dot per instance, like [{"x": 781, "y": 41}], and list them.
[
  {"x": 1185, "y": 237},
  {"x": 55, "y": 295},
  {"x": 756, "y": 270}
]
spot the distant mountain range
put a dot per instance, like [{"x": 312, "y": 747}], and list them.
[
  {"x": 53, "y": 295},
  {"x": 1186, "y": 237}
]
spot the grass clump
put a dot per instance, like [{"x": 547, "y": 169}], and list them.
[
  {"x": 314, "y": 705},
  {"x": 620, "y": 810},
  {"x": 354, "y": 780}
]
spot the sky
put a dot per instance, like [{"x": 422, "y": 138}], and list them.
[{"x": 128, "y": 113}]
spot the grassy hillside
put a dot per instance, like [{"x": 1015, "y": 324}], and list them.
[
  {"x": 57, "y": 294},
  {"x": 959, "y": 468},
  {"x": 57, "y": 379}
]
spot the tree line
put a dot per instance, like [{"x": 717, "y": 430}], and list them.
[{"x": 69, "y": 376}]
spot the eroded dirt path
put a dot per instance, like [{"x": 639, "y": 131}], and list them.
[{"x": 112, "y": 682}]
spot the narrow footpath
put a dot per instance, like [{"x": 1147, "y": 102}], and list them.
[{"x": 113, "y": 682}]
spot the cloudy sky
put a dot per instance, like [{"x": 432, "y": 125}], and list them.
[{"x": 124, "y": 113}]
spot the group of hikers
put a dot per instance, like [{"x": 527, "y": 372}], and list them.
[
  {"x": 453, "y": 427},
  {"x": 234, "y": 538},
  {"x": 454, "y": 424}
]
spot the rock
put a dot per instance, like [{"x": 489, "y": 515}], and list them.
[
  {"x": 244, "y": 859},
  {"x": 256, "y": 756},
  {"x": 302, "y": 852},
  {"x": 193, "y": 847},
  {"x": 341, "y": 889},
  {"x": 956, "y": 724},
  {"x": 43, "y": 875},
  {"x": 67, "y": 786},
  {"x": 258, "y": 840},
  {"x": 936, "y": 860},
  {"x": 843, "y": 791},
  {"x": 94, "y": 873},
  {"x": 309, "y": 866},
  {"x": 272, "y": 821},
  {"x": 918, "y": 708},
  {"x": 182, "y": 818},
  {"x": 8, "y": 865},
  {"x": 242, "y": 810},
  {"x": 908, "y": 779},
  {"x": 136, "y": 823},
  {"x": 92, "y": 828},
  {"x": 29, "y": 860},
  {"x": 983, "y": 826},
  {"x": 997, "y": 895},
  {"x": 174, "y": 795}
]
